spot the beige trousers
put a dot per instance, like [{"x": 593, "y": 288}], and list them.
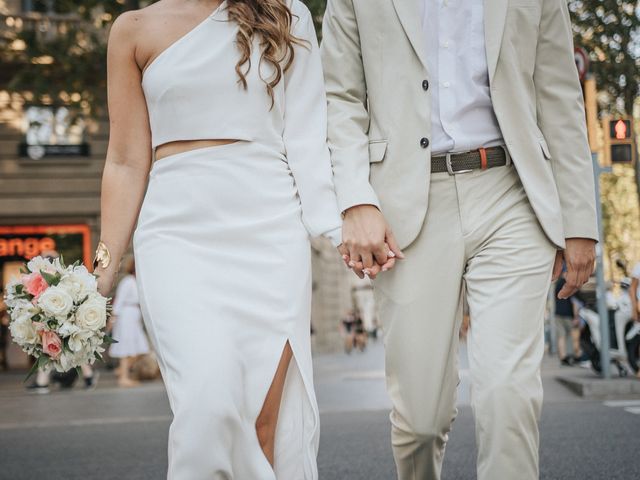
[{"x": 480, "y": 230}]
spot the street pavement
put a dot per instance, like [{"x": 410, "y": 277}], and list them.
[{"x": 109, "y": 433}]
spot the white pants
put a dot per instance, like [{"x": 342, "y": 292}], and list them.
[{"x": 481, "y": 230}]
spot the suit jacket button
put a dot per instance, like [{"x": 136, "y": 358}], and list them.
[
  {"x": 425, "y": 85},
  {"x": 424, "y": 142}
]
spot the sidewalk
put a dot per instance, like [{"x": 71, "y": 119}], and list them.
[
  {"x": 588, "y": 384},
  {"x": 356, "y": 382}
]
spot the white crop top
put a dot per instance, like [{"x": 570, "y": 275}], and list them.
[{"x": 192, "y": 93}]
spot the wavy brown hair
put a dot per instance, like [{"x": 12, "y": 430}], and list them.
[{"x": 271, "y": 20}]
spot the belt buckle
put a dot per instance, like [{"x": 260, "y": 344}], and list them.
[{"x": 447, "y": 161}]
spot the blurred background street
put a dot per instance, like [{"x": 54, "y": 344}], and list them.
[{"x": 110, "y": 433}]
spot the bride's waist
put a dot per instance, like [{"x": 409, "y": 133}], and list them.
[{"x": 219, "y": 158}]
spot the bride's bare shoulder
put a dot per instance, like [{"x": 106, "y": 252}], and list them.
[{"x": 132, "y": 25}]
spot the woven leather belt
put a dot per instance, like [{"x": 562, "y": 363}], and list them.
[{"x": 464, "y": 162}]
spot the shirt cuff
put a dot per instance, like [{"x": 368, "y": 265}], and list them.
[{"x": 335, "y": 236}]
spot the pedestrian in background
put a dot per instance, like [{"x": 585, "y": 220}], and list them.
[
  {"x": 566, "y": 323},
  {"x": 127, "y": 327},
  {"x": 632, "y": 336},
  {"x": 353, "y": 332},
  {"x": 364, "y": 302}
]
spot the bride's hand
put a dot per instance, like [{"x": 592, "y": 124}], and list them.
[
  {"x": 375, "y": 270},
  {"x": 105, "y": 281}
]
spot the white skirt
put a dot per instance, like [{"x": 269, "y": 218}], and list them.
[
  {"x": 224, "y": 276},
  {"x": 129, "y": 333}
]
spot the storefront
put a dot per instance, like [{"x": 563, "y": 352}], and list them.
[{"x": 20, "y": 243}]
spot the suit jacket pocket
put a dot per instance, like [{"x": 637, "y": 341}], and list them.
[
  {"x": 545, "y": 149},
  {"x": 377, "y": 150}
]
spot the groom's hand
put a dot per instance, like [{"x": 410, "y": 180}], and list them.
[
  {"x": 368, "y": 243},
  {"x": 579, "y": 256}
]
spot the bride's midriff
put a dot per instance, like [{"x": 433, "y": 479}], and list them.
[{"x": 173, "y": 148}]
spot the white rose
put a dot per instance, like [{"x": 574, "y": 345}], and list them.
[
  {"x": 67, "y": 329},
  {"x": 92, "y": 314},
  {"x": 59, "y": 267},
  {"x": 68, "y": 360},
  {"x": 23, "y": 309},
  {"x": 11, "y": 297},
  {"x": 79, "y": 282},
  {"x": 24, "y": 332},
  {"x": 37, "y": 264},
  {"x": 56, "y": 302},
  {"x": 80, "y": 341}
]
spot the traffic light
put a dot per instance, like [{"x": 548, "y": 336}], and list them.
[
  {"x": 619, "y": 129},
  {"x": 620, "y": 146}
]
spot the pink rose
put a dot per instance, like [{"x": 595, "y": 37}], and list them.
[
  {"x": 35, "y": 284},
  {"x": 51, "y": 344}
]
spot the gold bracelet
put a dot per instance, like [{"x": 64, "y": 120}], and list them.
[{"x": 103, "y": 256}]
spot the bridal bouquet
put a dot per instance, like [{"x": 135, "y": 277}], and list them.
[{"x": 57, "y": 315}]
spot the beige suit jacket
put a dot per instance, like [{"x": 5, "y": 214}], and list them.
[{"x": 374, "y": 60}]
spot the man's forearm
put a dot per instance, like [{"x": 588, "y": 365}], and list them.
[{"x": 348, "y": 117}]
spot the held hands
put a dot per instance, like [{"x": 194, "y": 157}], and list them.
[
  {"x": 579, "y": 256},
  {"x": 369, "y": 246}
]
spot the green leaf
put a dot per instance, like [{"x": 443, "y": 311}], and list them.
[
  {"x": 41, "y": 362},
  {"x": 33, "y": 370},
  {"x": 109, "y": 340},
  {"x": 51, "y": 279}
]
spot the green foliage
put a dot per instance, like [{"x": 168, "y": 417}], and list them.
[
  {"x": 62, "y": 61},
  {"x": 65, "y": 62},
  {"x": 621, "y": 216},
  {"x": 610, "y": 31}
]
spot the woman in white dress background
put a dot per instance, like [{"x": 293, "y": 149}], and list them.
[
  {"x": 229, "y": 99},
  {"x": 127, "y": 327}
]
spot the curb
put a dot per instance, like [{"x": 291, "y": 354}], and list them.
[{"x": 600, "y": 388}]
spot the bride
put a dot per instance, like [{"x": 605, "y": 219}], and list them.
[{"x": 220, "y": 109}]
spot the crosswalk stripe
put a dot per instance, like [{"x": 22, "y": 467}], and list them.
[
  {"x": 622, "y": 403},
  {"x": 634, "y": 410}
]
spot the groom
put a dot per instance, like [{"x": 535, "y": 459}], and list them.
[{"x": 458, "y": 125}]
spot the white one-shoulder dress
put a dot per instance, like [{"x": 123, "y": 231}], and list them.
[{"x": 222, "y": 248}]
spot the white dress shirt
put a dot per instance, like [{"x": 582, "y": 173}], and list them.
[{"x": 462, "y": 116}]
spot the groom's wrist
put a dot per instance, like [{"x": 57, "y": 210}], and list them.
[{"x": 358, "y": 207}]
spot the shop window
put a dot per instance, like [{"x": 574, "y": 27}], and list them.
[{"x": 53, "y": 131}]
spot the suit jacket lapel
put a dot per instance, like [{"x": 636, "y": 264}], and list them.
[
  {"x": 495, "y": 15},
  {"x": 409, "y": 13}
]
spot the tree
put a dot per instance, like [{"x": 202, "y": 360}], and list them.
[
  {"x": 610, "y": 31},
  {"x": 61, "y": 59}
]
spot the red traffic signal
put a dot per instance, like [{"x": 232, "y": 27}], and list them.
[{"x": 620, "y": 129}]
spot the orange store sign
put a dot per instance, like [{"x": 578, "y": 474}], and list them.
[
  {"x": 26, "y": 247},
  {"x": 28, "y": 241}
]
